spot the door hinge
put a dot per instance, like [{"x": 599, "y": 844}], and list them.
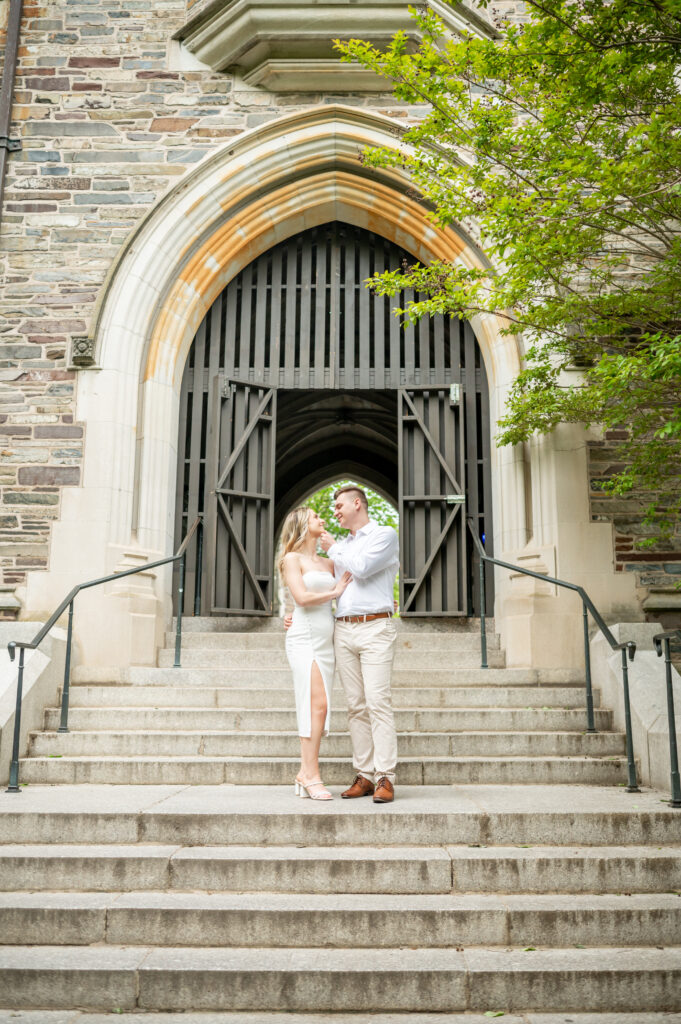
[
  {"x": 226, "y": 386},
  {"x": 455, "y": 499},
  {"x": 455, "y": 393}
]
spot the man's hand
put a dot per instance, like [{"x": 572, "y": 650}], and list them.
[
  {"x": 288, "y": 621},
  {"x": 326, "y": 541}
]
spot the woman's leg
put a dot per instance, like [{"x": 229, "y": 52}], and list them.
[{"x": 309, "y": 746}]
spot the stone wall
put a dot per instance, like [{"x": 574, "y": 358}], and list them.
[
  {"x": 108, "y": 123},
  {"x": 657, "y": 570}
]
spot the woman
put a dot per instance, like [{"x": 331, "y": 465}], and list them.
[{"x": 309, "y": 641}]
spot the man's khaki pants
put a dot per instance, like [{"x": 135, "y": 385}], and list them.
[{"x": 364, "y": 657}]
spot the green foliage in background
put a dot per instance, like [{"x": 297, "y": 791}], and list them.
[{"x": 557, "y": 147}]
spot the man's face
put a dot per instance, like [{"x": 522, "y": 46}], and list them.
[{"x": 347, "y": 510}]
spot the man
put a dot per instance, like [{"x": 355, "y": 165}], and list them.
[{"x": 364, "y": 641}]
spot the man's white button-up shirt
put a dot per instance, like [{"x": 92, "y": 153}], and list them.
[{"x": 372, "y": 556}]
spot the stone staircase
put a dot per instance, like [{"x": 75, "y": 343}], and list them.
[{"x": 513, "y": 873}]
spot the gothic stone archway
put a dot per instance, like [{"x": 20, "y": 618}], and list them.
[{"x": 297, "y": 368}]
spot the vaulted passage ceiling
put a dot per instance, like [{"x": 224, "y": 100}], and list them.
[{"x": 323, "y": 435}]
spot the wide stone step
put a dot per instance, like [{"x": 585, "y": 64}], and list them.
[
  {"x": 106, "y": 868},
  {"x": 271, "y": 771},
  {"x": 529, "y": 696},
  {"x": 266, "y": 661},
  {"x": 297, "y": 920},
  {"x": 339, "y": 869},
  {"x": 332, "y": 980},
  {"x": 249, "y": 1017},
  {"x": 287, "y": 744},
  {"x": 271, "y": 816},
  {"x": 215, "y": 719},
  {"x": 406, "y": 641},
  {"x": 273, "y": 624},
  {"x": 169, "y": 676}
]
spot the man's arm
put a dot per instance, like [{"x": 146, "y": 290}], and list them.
[{"x": 380, "y": 551}]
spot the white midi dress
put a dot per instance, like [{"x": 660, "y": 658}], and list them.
[{"x": 310, "y": 639}]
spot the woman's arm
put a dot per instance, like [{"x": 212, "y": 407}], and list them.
[{"x": 293, "y": 578}]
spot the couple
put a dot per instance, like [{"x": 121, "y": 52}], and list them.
[{"x": 359, "y": 574}]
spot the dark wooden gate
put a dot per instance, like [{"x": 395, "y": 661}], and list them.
[
  {"x": 240, "y": 512},
  {"x": 301, "y": 318},
  {"x": 432, "y": 502}
]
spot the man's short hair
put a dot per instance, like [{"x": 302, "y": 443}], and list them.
[{"x": 356, "y": 492}]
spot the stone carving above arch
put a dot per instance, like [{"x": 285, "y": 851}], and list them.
[{"x": 289, "y": 47}]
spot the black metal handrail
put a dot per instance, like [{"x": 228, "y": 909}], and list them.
[
  {"x": 180, "y": 555},
  {"x": 663, "y": 641},
  {"x": 627, "y": 647}
]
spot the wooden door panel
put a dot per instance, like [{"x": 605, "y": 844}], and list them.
[
  {"x": 432, "y": 507},
  {"x": 241, "y": 511}
]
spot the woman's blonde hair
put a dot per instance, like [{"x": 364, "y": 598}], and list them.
[{"x": 293, "y": 534}]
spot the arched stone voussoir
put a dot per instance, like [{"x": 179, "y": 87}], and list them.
[{"x": 288, "y": 175}]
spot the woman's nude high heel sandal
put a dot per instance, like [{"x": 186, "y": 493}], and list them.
[{"x": 303, "y": 790}]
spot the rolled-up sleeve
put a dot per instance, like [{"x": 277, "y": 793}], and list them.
[{"x": 380, "y": 551}]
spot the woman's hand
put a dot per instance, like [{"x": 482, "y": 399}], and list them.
[{"x": 342, "y": 584}]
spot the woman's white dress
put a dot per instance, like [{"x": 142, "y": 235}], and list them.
[{"x": 310, "y": 639}]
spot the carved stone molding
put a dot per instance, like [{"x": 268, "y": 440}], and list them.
[
  {"x": 289, "y": 47},
  {"x": 83, "y": 352}
]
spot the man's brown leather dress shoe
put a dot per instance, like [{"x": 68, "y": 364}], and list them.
[
  {"x": 385, "y": 792},
  {"x": 360, "y": 787}
]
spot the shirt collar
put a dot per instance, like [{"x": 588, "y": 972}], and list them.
[{"x": 367, "y": 528}]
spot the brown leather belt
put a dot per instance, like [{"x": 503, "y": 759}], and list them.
[{"x": 364, "y": 618}]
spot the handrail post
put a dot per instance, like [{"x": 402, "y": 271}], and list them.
[
  {"x": 13, "y": 786},
  {"x": 590, "y": 724},
  {"x": 199, "y": 569},
  {"x": 631, "y": 764},
  {"x": 64, "y": 722},
  {"x": 180, "y": 599},
  {"x": 483, "y": 622},
  {"x": 673, "y": 750}
]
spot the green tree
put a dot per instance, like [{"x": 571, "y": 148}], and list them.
[{"x": 557, "y": 146}]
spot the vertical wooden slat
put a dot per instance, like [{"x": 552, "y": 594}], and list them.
[
  {"x": 366, "y": 341},
  {"x": 408, "y": 346},
  {"x": 274, "y": 339},
  {"x": 260, "y": 322},
  {"x": 378, "y": 339},
  {"x": 305, "y": 340},
  {"x": 439, "y": 335},
  {"x": 291, "y": 302},
  {"x": 242, "y": 358},
  {"x": 424, "y": 325},
  {"x": 397, "y": 377},
  {"x": 334, "y": 310},
  {"x": 230, "y": 330},
  {"x": 209, "y": 592},
  {"x": 349, "y": 300},
  {"x": 321, "y": 313}
]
